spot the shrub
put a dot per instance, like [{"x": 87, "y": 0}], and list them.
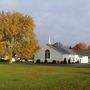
[
  {"x": 38, "y": 61},
  {"x": 54, "y": 61},
  {"x": 45, "y": 61}
]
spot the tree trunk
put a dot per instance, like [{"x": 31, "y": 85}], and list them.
[
  {"x": 10, "y": 60},
  {"x": 10, "y": 52},
  {"x": 10, "y": 56}
]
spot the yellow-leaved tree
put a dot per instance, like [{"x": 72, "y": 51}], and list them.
[{"x": 17, "y": 34}]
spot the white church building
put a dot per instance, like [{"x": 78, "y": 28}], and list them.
[{"x": 57, "y": 53}]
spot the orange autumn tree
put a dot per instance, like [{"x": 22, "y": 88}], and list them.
[
  {"x": 81, "y": 46},
  {"x": 17, "y": 34},
  {"x": 88, "y": 47}
]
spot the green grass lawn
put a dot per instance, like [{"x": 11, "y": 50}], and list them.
[{"x": 35, "y": 77}]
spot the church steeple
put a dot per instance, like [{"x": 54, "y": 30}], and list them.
[{"x": 49, "y": 40}]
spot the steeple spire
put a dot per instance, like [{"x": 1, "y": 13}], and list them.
[{"x": 49, "y": 41}]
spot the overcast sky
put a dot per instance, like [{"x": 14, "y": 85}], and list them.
[{"x": 65, "y": 21}]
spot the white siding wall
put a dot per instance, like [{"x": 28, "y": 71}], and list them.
[
  {"x": 54, "y": 55},
  {"x": 73, "y": 58},
  {"x": 84, "y": 59}
]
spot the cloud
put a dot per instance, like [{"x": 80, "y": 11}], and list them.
[
  {"x": 68, "y": 23},
  {"x": 8, "y": 2}
]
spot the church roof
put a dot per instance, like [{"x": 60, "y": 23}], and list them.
[
  {"x": 83, "y": 52},
  {"x": 59, "y": 47}
]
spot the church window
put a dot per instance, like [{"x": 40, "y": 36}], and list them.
[{"x": 47, "y": 54}]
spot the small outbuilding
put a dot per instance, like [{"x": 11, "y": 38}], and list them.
[{"x": 84, "y": 55}]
